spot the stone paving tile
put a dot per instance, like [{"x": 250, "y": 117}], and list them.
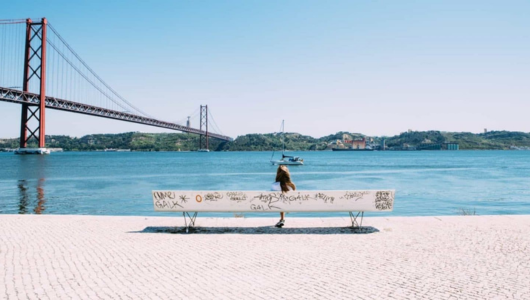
[{"x": 99, "y": 257}]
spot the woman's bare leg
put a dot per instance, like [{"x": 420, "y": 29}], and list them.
[{"x": 282, "y": 215}]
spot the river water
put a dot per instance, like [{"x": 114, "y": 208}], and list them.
[{"x": 120, "y": 183}]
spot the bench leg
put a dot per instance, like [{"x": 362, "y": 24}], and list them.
[
  {"x": 354, "y": 223},
  {"x": 192, "y": 220}
]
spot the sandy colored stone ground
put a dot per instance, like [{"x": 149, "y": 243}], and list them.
[{"x": 89, "y": 257}]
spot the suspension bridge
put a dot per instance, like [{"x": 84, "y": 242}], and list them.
[{"x": 39, "y": 70}]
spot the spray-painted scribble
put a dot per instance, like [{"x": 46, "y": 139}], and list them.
[
  {"x": 267, "y": 200},
  {"x": 296, "y": 198},
  {"x": 267, "y": 205},
  {"x": 266, "y": 196},
  {"x": 183, "y": 199},
  {"x": 213, "y": 196},
  {"x": 324, "y": 197},
  {"x": 356, "y": 195},
  {"x": 164, "y": 195},
  {"x": 237, "y": 196},
  {"x": 167, "y": 204},
  {"x": 384, "y": 200}
]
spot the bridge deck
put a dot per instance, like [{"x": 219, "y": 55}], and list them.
[{"x": 16, "y": 96}]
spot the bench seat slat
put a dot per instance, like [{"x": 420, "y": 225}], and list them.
[{"x": 268, "y": 201}]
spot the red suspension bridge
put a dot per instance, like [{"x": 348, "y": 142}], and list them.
[{"x": 53, "y": 76}]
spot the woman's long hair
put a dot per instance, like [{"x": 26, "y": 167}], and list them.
[{"x": 284, "y": 178}]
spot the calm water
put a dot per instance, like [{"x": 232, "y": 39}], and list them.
[{"x": 426, "y": 183}]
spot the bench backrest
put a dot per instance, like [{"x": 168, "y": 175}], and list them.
[{"x": 255, "y": 201}]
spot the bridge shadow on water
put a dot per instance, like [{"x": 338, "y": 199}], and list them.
[{"x": 260, "y": 230}]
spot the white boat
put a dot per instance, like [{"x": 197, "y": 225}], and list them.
[
  {"x": 286, "y": 159},
  {"x": 40, "y": 151},
  {"x": 203, "y": 150}
]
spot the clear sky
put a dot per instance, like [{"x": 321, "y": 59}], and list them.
[{"x": 375, "y": 67}]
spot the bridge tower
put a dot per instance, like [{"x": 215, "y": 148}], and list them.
[
  {"x": 203, "y": 139},
  {"x": 34, "y": 70}
]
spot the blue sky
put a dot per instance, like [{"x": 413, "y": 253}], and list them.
[{"x": 375, "y": 67}]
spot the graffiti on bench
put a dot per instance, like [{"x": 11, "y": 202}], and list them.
[{"x": 248, "y": 201}]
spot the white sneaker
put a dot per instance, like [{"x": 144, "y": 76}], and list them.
[{"x": 280, "y": 223}]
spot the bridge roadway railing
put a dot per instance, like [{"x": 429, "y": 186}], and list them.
[{"x": 16, "y": 96}]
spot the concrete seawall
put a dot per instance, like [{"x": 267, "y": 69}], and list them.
[{"x": 65, "y": 257}]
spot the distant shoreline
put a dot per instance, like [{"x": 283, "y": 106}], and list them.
[{"x": 173, "y": 142}]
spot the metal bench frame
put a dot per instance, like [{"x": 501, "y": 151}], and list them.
[
  {"x": 354, "y": 216},
  {"x": 192, "y": 218}
]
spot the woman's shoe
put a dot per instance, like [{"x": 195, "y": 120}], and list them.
[{"x": 280, "y": 223}]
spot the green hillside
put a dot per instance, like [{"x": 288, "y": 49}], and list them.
[
  {"x": 494, "y": 140},
  {"x": 137, "y": 141}
]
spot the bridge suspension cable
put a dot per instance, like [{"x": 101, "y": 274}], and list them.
[
  {"x": 76, "y": 87},
  {"x": 12, "y": 40},
  {"x": 192, "y": 117},
  {"x": 213, "y": 124}
]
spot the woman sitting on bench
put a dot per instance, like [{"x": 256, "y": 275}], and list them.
[{"x": 284, "y": 184}]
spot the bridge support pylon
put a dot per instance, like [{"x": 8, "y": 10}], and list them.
[
  {"x": 203, "y": 139},
  {"x": 33, "y": 118}
]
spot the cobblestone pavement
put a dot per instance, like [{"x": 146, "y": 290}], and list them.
[{"x": 90, "y": 257}]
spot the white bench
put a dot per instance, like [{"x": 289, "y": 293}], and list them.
[{"x": 260, "y": 201}]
